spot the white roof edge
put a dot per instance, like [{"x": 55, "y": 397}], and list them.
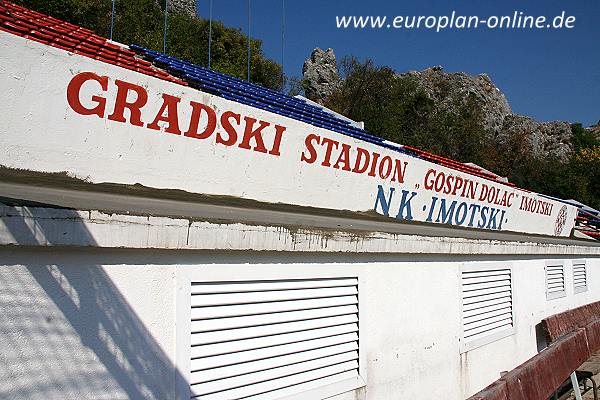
[
  {"x": 79, "y": 228},
  {"x": 356, "y": 124}
]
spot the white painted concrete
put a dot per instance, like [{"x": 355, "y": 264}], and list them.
[
  {"x": 75, "y": 329},
  {"x": 94, "y": 281},
  {"x": 56, "y": 227},
  {"x": 101, "y": 324},
  {"x": 157, "y": 203},
  {"x": 44, "y": 132},
  {"x": 91, "y": 301}
]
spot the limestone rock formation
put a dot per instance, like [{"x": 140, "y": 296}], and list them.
[
  {"x": 450, "y": 89},
  {"x": 320, "y": 75},
  {"x": 544, "y": 138},
  {"x": 186, "y": 6}
]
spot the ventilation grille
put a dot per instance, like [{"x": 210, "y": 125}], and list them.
[
  {"x": 579, "y": 277},
  {"x": 271, "y": 339},
  {"x": 487, "y": 303},
  {"x": 555, "y": 281}
]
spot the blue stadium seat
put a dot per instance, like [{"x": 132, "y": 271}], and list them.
[{"x": 245, "y": 92}]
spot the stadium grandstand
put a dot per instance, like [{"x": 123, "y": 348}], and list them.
[
  {"x": 53, "y": 32},
  {"x": 274, "y": 250}
]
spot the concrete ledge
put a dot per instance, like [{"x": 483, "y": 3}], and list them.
[{"x": 37, "y": 226}]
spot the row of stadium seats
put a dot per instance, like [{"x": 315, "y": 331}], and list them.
[
  {"x": 257, "y": 96},
  {"x": 248, "y": 93},
  {"x": 53, "y": 32},
  {"x": 448, "y": 162},
  {"x": 42, "y": 28}
]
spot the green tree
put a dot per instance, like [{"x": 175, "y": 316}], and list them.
[
  {"x": 583, "y": 138},
  {"x": 141, "y": 22},
  {"x": 587, "y": 164},
  {"x": 396, "y": 108}
]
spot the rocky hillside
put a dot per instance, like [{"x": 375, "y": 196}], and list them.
[
  {"x": 185, "y": 6},
  {"x": 449, "y": 91},
  {"x": 320, "y": 75}
]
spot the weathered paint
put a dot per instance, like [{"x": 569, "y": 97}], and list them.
[
  {"x": 540, "y": 376},
  {"x": 108, "y": 229},
  {"x": 592, "y": 331},
  {"x": 403, "y": 353},
  {"x": 420, "y": 344},
  {"x": 574, "y": 335},
  {"x": 563, "y": 323},
  {"x": 495, "y": 391}
]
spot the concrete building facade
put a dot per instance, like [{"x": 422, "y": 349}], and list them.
[{"x": 163, "y": 242}]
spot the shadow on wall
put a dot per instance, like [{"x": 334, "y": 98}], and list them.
[{"x": 68, "y": 333}]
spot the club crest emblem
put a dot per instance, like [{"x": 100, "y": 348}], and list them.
[{"x": 561, "y": 219}]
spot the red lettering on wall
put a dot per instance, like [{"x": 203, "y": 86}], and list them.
[
  {"x": 229, "y": 129},
  {"x": 399, "y": 170},
  {"x": 344, "y": 158},
  {"x": 134, "y": 107},
  {"x": 329, "y": 143},
  {"x": 385, "y": 167},
  {"x": 450, "y": 184},
  {"x": 277, "y": 142},
  {"x": 312, "y": 153},
  {"x": 74, "y": 88},
  {"x": 352, "y": 159},
  {"x": 172, "y": 119},
  {"x": 202, "y": 119},
  {"x": 250, "y": 133},
  {"x": 211, "y": 123},
  {"x": 363, "y": 156},
  {"x": 374, "y": 164},
  {"x": 429, "y": 181}
]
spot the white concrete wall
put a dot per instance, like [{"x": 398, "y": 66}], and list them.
[
  {"x": 100, "y": 324},
  {"x": 83, "y": 318},
  {"x": 43, "y": 132},
  {"x": 75, "y": 326},
  {"x": 483, "y": 365}
]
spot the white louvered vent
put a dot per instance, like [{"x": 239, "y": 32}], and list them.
[
  {"x": 486, "y": 304},
  {"x": 555, "y": 281},
  {"x": 270, "y": 339},
  {"x": 579, "y": 277}
]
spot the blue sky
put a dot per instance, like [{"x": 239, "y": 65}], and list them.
[{"x": 546, "y": 74}]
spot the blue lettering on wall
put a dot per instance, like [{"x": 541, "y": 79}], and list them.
[
  {"x": 383, "y": 201},
  {"x": 405, "y": 205},
  {"x": 446, "y": 211}
]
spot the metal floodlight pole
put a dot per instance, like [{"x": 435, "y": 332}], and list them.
[
  {"x": 165, "y": 27},
  {"x": 282, "y": 43},
  {"x": 112, "y": 20},
  {"x": 249, "y": 40},
  {"x": 575, "y": 385},
  {"x": 210, "y": 6}
]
